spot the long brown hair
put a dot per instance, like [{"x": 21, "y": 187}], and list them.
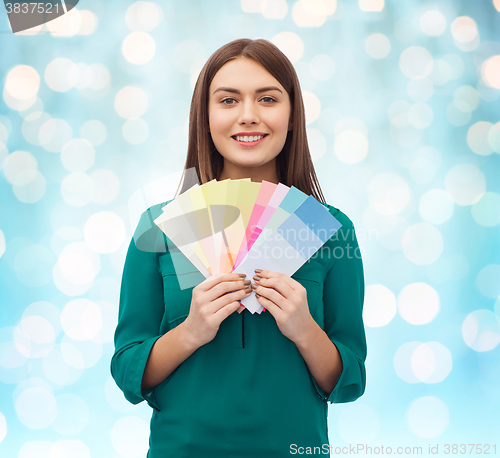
[{"x": 294, "y": 163}]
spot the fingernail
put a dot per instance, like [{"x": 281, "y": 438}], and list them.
[
  {"x": 257, "y": 278},
  {"x": 247, "y": 282},
  {"x": 254, "y": 286},
  {"x": 248, "y": 290},
  {"x": 258, "y": 271},
  {"x": 257, "y": 295},
  {"x": 242, "y": 275}
]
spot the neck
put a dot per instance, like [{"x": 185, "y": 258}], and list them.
[{"x": 255, "y": 175}]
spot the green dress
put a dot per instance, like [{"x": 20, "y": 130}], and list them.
[{"x": 248, "y": 392}]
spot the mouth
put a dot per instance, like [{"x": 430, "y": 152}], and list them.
[{"x": 248, "y": 143}]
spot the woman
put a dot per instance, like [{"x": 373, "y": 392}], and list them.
[{"x": 225, "y": 384}]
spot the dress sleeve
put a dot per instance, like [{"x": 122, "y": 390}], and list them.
[
  {"x": 140, "y": 312},
  {"x": 343, "y": 297}
]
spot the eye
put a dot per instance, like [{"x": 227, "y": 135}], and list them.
[{"x": 270, "y": 100}]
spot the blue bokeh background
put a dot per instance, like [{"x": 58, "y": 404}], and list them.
[{"x": 403, "y": 115}]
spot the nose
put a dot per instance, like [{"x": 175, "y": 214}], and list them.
[{"x": 249, "y": 113}]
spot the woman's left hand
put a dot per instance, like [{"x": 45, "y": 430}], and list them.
[{"x": 286, "y": 300}]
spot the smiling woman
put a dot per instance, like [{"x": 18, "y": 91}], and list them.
[{"x": 225, "y": 384}]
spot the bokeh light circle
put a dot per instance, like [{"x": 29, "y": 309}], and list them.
[
  {"x": 20, "y": 167},
  {"x": 2, "y": 243},
  {"x": 81, "y": 354},
  {"x": 379, "y": 307},
  {"x": 138, "y": 48},
  {"x": 490, "y": 71},
  {"x": 32, "y": 124},
  {"x": 465, "y": 183},
  {"x": 433, "y": 23},
  {"x": 41, "y": 334},
  {"x": 422, "y": 243},
  {"x": 22, "y": 82},
  {"x": 81, "y": 319},
  {"x": 143, "y": 16},
  {"x": 468, "y": 98},
  {"x": 104, "y": 232},
  {"x": 36, "y": 407},
  {"x": 35, "y": 449},
  {"x": 135, "y": 131},
  {"x": 402, "y": 362},
  {"x": 76, "y": 269},
  {"x": 435, "y": 206},
  {"x": 290, "y": 43},
  {"x": 428, "y": 416},
  {"x": 464, "y": 29},
  {"x": 488, "y": 281},
  {"x": 131, "y": 102},
  {"x": 371, "y": 5},
  {"x": 77, "y": 155},
  {"x": 477, "y": 138},
  {"x": 418, "y": 303},
  {"x": 431, "y": 362},
  {"x": 89, "y": 22},
  {"x": 377, "y": 46},
  {"x": 481, "y": 330},
  {"x": 54, "y": 134},
  {"x": 416, "y": 62},
  {"x": 61, "y": 74},
  {"x": 486, "y": 211},
  {"x": 388, "y": 193},
  {"x": 66, "y": 25},
  {"x": 3, "y": 427},
  {"x": 94, "y": 131},
  {"x": 351, "y": 146},
  {"x": 129, "y": 436},
  {"x": 32, "y": 191},
  {"x": 77, "y": 189},
  {"x": 106, "y": 186}
]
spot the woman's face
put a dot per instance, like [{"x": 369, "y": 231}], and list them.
[{"x": 245, "y": 99}]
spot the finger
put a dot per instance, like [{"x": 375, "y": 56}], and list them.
[
  {"x": 270, "y": 294},
  {"x": 229, "y": 298},
  {"x": 226, "y": 287},
  {"x": 264, "y": 273},
  {"x": 269, "y": 305},
  {"x": 277, "y": 281},
  {"x": 210, "y": 282},
  {"x": 227, "y": 310}
]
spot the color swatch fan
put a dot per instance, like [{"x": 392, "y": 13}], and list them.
[{"x": 222, "y": 226}]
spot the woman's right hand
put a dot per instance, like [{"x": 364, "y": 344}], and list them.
[{"x": 212, "y": 302}]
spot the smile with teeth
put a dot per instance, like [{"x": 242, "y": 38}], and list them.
[{"x": 249, "y": 139}]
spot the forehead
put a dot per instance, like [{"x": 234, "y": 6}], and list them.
[{"x": 243, "y": 73}]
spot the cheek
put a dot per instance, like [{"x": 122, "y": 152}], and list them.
[
  {"x": 216, "y": 123},
  {"x": 281, "y": 122}
]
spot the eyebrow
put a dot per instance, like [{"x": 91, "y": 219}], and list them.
[{"x": 257, "y": 91}]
